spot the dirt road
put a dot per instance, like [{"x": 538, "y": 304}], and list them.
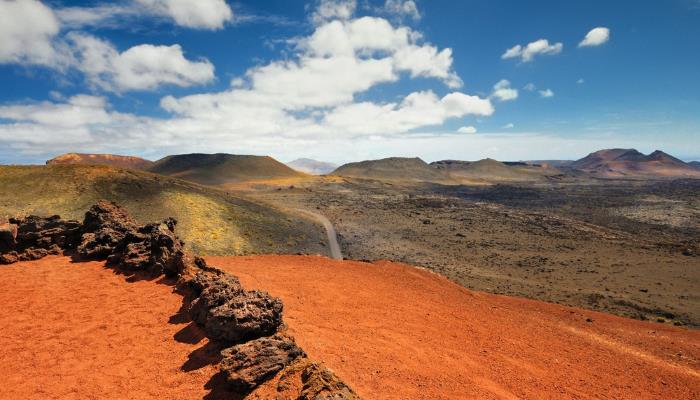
[{"x": 333, "y": 244}]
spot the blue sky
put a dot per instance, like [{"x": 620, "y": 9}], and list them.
[{"x": 341, "y": 80}]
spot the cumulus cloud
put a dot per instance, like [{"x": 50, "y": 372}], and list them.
[
  {"x": 199, "y": 14},
  {"x": 596, "y": 37},
  {"x": 310, "y": 96},
  {"x": 328, "y": 10},
  {"x": 503, "y": 92},
  {"x": 546, "y": 93},
  {"x": 142, "y": 67},
  {"x": 508, "y": 126},
  {"x": 467, "y": 129},
  {"x": 402, "y": 8},
  {"x": 530, "y": 87},
  {"x": 27, "y": 32},
  {"x": 528, "y": 52}
]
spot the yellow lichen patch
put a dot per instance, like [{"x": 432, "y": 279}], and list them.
[{"x": 205, "y": 222}]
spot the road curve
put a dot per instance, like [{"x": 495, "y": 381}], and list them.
[{"x": 336, "y": 254}]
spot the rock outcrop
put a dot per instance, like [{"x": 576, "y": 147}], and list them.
[
  {"x": 104, "y": 228},
  {"x": 248, "y": 322},
  {"x": 249, "y": 364},
  {"x": 33, "y": 237}
]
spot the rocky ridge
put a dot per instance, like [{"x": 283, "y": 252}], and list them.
[{"x": 247, "y": 324}]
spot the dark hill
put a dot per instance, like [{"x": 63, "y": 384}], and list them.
[
  {"x": 222, "y": 169},
  {"x": 492, "y": 171},
  {"x": 394, "y": 168}
]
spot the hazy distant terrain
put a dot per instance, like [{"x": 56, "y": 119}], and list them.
[{"x": 312, "y": 167}]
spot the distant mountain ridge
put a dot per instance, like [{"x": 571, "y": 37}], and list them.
[
  {"x": 620, "y": 163},
  {"x": 101, "y": 159},
  {"x": 393, "y": 168},
  {"x": 313, "y": 167},
  {"x": 695, "y": 164},
  {"x": 492, "y": 170},
  {"x": 221, "y": 169}
]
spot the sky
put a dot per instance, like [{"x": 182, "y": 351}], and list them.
[{"x": 344, "y": 80}]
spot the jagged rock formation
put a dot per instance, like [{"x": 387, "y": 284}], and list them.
[
  {"x": 248, "y": 322},
  {"x": 32, "y": 238},
  {"x": 249, "y": 364}
]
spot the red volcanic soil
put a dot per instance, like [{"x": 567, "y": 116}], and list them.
[
  {"x": 101, "y": 159},
  {"x": 81, "y": 331},
  {"x": 396, "y": 332}
]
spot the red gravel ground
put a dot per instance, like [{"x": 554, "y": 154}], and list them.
[
  {"x": 397, "y": 332},
  {"x": 81, "y": 331}
]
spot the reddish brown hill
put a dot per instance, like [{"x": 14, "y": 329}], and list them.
[
  {"x": 101, "y": 159},
  {"x": 623, "y": 163}
]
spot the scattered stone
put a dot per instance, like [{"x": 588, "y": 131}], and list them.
[{"x": 248, "y": 365}]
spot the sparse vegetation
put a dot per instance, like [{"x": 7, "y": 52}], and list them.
[{"x": 211, "y": 222}]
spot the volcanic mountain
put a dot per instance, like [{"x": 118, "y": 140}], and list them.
[
  {"x": 101, "y": 159},
  {"x": 394, "y": 168},
  {"x": 492, "y": 170},
  {"x": 695, "y": 164},
  {"x": 312, "y": 167},
  {"x": 621, "y": 163},
  {"x": 210, "y": 221},
  {"x": 222, "y": 169}
]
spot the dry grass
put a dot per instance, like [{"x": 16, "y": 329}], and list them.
[{"x": 211, "y": 221}]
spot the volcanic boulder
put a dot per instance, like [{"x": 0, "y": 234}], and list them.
[
  {"x": 32, "y": 238},
  {"x": 214, "y": 290},
  {"x": 247, "y": 316},
  {"x": 104, "y": 227},
  {"x": 250, "y": 364},
  {"x": 153, "y": 248},
  {"x": 322, "y": 384},
  {"x": 8, "y": 237}
]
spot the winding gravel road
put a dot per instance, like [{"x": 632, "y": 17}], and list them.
[{"x": 330, "y": 232}]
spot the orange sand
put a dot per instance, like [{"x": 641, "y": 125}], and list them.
[
  {"x": 396, "y": 332},
  {"x": 81, "y": 331}
]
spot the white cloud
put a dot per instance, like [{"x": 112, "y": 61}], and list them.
[
  {"x": 580, "y": 81},
  {"x": 142, "y": 67},
  {"x": 508, "y": 126},
  {"x": 596, "y": 37},
  {"x": 328, "y": 10},
  {"x": 309, "y": 97},
  {"x": 546, "y": 93},
  {"x": 503, "y": 92},
  {"x": 528, "y": 53},
  {"x": 27, "y": 31},
  {"x": 402, "y": 8},
  {"x": 530, "y": 87},
  {"x": 467, "y": 129},
  {"x": 366, "y": 36},
  {"x": 199, "y": 14}
]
